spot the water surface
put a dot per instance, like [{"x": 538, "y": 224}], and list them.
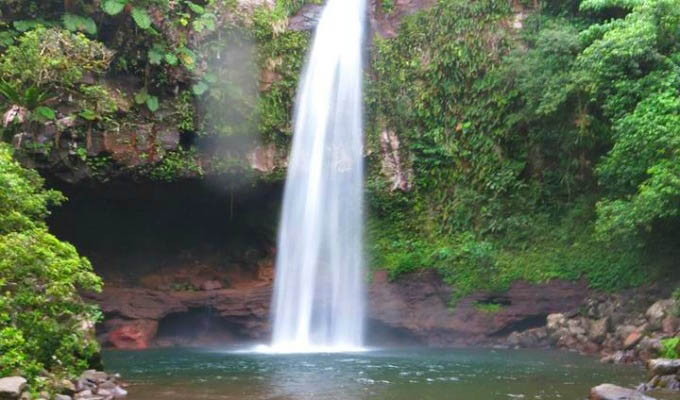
[{"x": 480, "y": 374}]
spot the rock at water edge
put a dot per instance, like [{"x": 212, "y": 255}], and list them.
[
  {"x": 612, "y": 392},
  {"x": 11, "y": 387}
]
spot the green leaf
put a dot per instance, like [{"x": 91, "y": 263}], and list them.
[
  {"x": 155, "y": 56},
  {"x": 141, "y": 96},
  {"x": 26, "y": 25},
  {"x": 199, "y": 88},
  {"x": 152, "y": 103},
  {"x": 46, "y": 113},
  {"x": 113, "y": 7},
  {"x": 141, "y": 17},
  {"x": 187, "y": 57},
  {"x": 171, "y": 58},
  {"x": 6, "y": 38},
  {"x": 75, "y": 23},
  {"x": 88, "y": 114},
  {"x": 195, "y": 7}
]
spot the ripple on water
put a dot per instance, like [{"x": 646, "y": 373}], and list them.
[{"x": 405, "y": 375}]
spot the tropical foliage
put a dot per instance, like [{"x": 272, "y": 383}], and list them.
[
  {"x": 543, "y": 152},
  {"x": 45, "y": 326}
]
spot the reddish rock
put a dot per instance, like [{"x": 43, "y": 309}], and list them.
[
  {"x": 133, "y": 314},
  {"x": 418, "y": 304},
  {"x": 134, "y": 335},
  {"x": 632, "y": 339}
]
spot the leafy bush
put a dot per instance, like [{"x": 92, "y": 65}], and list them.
[
  {"x": 544, "y": 153},
  {"x": 670, "y": 347},
  {"x": 44, "y": 324},
  {"x": 52, "y": 57}
]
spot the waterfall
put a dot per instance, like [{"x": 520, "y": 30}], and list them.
[{"x": 318, "y": 300}]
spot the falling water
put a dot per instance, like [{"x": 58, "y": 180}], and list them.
[{"x": 318, "y": 294}]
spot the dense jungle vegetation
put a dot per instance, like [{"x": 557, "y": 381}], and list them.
[{"x": 549, "y": 150}]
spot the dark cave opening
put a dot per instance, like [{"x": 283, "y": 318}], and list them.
[
  {"x": 129, "y": 230},
  {"x": 530, "y": 322},
  {"x": 201, "y": 326}
]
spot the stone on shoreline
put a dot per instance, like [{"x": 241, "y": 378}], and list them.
[
  {"x": 663, "y": 366},
  {"x": 612, "y": 392},
  {"x": 11, "y": 387}
]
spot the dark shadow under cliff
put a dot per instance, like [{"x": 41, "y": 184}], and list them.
[{"x": 132, "y": 230}]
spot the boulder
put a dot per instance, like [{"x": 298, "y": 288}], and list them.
[
  {"x": 555, "y": 322},
  {"x": 632, "y": 339},
  {"x": 619, "y": 357},
  {"x": 657, "y": 312},
  {"x": 649, "y": 348},
  {"x": 598, "y": 329},
  {"x": 576, "y": 327},
  {"x": 11, "y": 387},
  {"x": 612, "y": 392},
  {"x": 666, "y": 382},
  {"x": 94, "y": 376},
  {"x": 623, "y": 331},
  {"x": 62, "y": 397},
  {"x": 663, "y": 366},
  {"x": 134, "y": 335},
  {"x": 670, "y": 324}
]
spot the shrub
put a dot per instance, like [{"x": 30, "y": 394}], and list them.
[
  {"x": 52, "y": 57},
  {"x": 45, "y": 326},
  {"x": 670, "y": 347}
]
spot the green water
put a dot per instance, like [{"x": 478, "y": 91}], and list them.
[{"x": 183, "y": 374}]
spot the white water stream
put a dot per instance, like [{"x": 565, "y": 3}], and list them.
[{"x": 318, "y": 300}]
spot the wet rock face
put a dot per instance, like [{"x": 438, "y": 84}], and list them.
[
  {"x": 419, "y": 304},
  {"x": 306, "y": 19},
  {"x": 416, "y": 306},
  {"x": 387, "y": 23},
  {"x": 393, "y": 165},
  {"x": 134, "y": 314}
]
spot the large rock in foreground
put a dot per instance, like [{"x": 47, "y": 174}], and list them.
[
  {"x": 11, "y": 387},
  {"x": 612, "y": 392}
]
